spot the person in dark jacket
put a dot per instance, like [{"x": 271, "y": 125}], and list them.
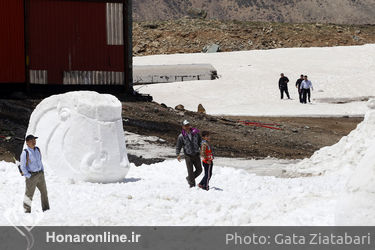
[
  {"x": 283, "y": 86},
  {"x": 298, "y": 86},
  {"x": 190, "y": 140}
]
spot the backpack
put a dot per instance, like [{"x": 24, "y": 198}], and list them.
[{"x": 27, "y": 160}]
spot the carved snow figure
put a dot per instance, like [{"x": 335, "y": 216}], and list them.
[
  {"x": 356, "y": 207},
  {"x": 81, "y": 136}
]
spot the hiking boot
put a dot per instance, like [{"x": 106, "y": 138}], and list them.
[{"x": 201, "y": 186}]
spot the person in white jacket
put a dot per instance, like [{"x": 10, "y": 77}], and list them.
[{"x": 306, "y": 85}]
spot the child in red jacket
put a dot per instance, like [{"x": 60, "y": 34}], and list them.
[{"x": 207, "y": 159}]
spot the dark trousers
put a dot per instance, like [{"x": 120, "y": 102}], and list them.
[
  {"x": 300, "y": 93},
  {"x": 282, "y": 90},
  {"x": 35, "y": 181},
  {"x": 306, "y": 94},
  {"x": 207, "y": 175},
  {"x": 191, "y": 162}
]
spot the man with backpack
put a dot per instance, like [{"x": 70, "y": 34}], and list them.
[
  {"x": 32, "y": 168},
  {"x": 190, "y": 140}
]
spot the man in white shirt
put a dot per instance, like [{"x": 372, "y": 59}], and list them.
[
  {"x": 306, "y": 85},
  {"x": 33, "y": 170}
]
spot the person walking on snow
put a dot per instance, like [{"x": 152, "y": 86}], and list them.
[
  {"x": 207, "y": 159},
  {"x": 190, "y": 140},
  {"x": 306, "y": 85},
  {"x": 298, "y": 86},
  {"x": 283, "y": 86},
  {"x": 32, "y": 168}
]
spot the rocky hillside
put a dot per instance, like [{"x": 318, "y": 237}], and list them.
[
  {"x": 192, "y": 35},
  {"x": 290, "y": 11}
]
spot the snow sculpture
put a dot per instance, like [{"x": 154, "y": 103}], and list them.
[
  {"x": 81, "y": 136},
  {"x": 356, "y": 207}
]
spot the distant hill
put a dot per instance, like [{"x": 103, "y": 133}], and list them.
[{"x": 290, "y": 11}]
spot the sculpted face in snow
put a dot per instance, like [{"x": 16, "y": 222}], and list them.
[{"x": 81, "y": 135}]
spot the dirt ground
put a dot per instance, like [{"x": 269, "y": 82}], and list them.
[
  {"x": 284, "y": 137},
  {"x": 279, "y": 137}
]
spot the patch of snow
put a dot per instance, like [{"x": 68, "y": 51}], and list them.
[
  {"x": 357, "y": 204},
  {"x": 344, "y": 156},
  {"x": 148, "y": 146}
]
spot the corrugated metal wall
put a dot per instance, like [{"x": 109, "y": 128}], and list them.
[
  {"x": 68, "y": 43},
  {"x": 12, "y": 42}
]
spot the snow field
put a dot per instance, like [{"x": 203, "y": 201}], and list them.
[
  {"x": 159, "y": 195},
  {"x": 248, "y": 83}
]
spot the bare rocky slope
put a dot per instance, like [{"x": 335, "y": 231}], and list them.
[
  {"x": 191, "y": 35},
  {"x": 290, "y": 11}
]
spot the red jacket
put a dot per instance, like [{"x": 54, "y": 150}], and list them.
[{"x": 206, "y": 152}]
